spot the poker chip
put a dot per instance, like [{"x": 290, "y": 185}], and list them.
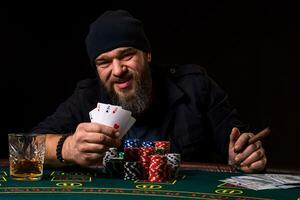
[
  {"x": 145, "y": 153},
  {"x": 111, "y": 153},
  {"x": 115, "y": 168},
  {"x": 132, "y": 171},
  {"x": 131, "y": 154},
  {"x": 121, "y": 155},
  {"x": 160, "y": 151},
  {"x": 113, "y": 150},
  {"x": 157, "y": 168},
  {"x": 173, "y": 159},
  {"x": 164, "y": 145},
  {"x": 173, "y": 165},
  {"x": 148, "y": 144},
  {"x": 131, "y": 149},
  {"x": 131, "y": 143}
]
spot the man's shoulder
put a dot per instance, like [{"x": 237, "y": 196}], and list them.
[
  {"x": 88, "y": 83},
  {"x": 181, "y": 70},
  {"x": 88, "y": 88},
  {"x": 183, "y": 77},
  {"x": 87, "y": 93}
]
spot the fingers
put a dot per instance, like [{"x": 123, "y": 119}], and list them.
[
  {"x": 240, "y": 157},
  {"x": 88, "y": 159},
  {"x": 97, "y": 133},
  {"x": 253, "y": 159},
  {"x": 248, "y": 158},
  {"x": 90, "y": 141},
  {"x": 235, "y": 133},
  {"x": 98, "y": 128},
  {"x": 99, "y": 138},
  {"x": 251, "y": 155},
  {"x": 92, "y": 148},
  {"x": 242, "y": 141},
  {"x": 256, "y": 166}
]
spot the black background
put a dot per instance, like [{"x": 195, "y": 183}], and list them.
[{"x": 250, "y": 48}]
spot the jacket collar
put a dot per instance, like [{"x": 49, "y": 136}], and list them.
[{"x": 165, "y": 84}]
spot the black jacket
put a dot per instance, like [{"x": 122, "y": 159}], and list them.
[{"x": 190, "y": 110}]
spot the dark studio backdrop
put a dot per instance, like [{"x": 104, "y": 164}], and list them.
[{"x": 250, "y": 49}]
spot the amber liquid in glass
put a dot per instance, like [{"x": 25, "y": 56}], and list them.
[{"x": 26, "y": 169}]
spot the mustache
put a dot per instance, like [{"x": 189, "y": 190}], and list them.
[{"x": 123, "y": 78}]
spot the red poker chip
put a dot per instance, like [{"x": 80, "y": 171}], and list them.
[{"x": 157, "y": 168}]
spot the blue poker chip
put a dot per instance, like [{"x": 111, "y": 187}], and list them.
[
  {"x": 131, "y": 143},
  {"x": 148, "y": 144}
]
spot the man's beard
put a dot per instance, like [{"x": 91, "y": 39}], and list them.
[{"x": 140, "y": 100}]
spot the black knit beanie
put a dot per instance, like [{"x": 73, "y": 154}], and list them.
[{"x": 114, "y": 29}]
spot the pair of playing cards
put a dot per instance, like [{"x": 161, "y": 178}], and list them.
[{"x": 113, "y": 116}]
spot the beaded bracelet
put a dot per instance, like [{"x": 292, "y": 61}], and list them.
[{"x": 59, "y": 148}]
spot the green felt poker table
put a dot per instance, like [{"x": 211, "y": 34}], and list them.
[{"x": 195, "y": 181}]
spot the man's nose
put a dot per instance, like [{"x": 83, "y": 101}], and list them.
[{"x": 118, "y": 69}]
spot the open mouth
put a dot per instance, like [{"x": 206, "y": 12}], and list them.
[{"x": 123, "y": 84}]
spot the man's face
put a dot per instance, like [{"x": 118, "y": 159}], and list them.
[{"x": 125, "y": 74}]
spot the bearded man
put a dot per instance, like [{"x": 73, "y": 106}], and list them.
[{"x": 178, "y": 103}]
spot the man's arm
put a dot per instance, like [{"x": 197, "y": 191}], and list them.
[
  {"x": 50, "y": 152},
  {"x": 249, "y": 157},
  {"x": 66, "y": 119}
]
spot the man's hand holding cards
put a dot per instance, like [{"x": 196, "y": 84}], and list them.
[{"x": 113, "y": 116}]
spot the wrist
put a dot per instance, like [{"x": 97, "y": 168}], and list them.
[
  {"x": 66, "y": 150},
  {"x": 61, "y": 149}
]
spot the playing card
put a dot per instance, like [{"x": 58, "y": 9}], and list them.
[
  {"x": 265, "y": 181},
  {"x": 131, "y": 121},
  {"x": 106, "y": 107},
  {"x": 92, "y": 114},
  {"x": 101, "y": 111},
  {"x": 117, "y": 118},
  {"x": 113, "y": 116}
]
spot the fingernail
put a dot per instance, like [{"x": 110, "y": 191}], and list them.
[
  {"x": 117, "y": 134},
  {"x": 235, "y": 150}
]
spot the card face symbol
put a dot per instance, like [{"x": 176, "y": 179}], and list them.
[
  {"x": 116, "y": 126},
  {"x": 92, "y": 114},
  {"x": 107, "y": 109},
  {"x": 115, "y": 110}
]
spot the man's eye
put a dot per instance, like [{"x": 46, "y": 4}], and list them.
[
  {"x": 127, "y": 56},
  {"x": 102, "y": 64}
]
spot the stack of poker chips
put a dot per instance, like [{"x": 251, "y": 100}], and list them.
[
  {"x": 132, "y": 171},
  {"x": 158, "y": 168},
  {"x": 113, "y": 163},
  {"x": 150, "y": 161},
  {"x": 131, "y": 150},
  {"x": 132, "y": 166},
  {"x": 173, "y": 164},
  {"x": 146, "y": 151},
  {"x": 111, "y": 153}
]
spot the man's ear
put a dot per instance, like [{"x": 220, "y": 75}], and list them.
[{"x": 149, "y": 57}]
